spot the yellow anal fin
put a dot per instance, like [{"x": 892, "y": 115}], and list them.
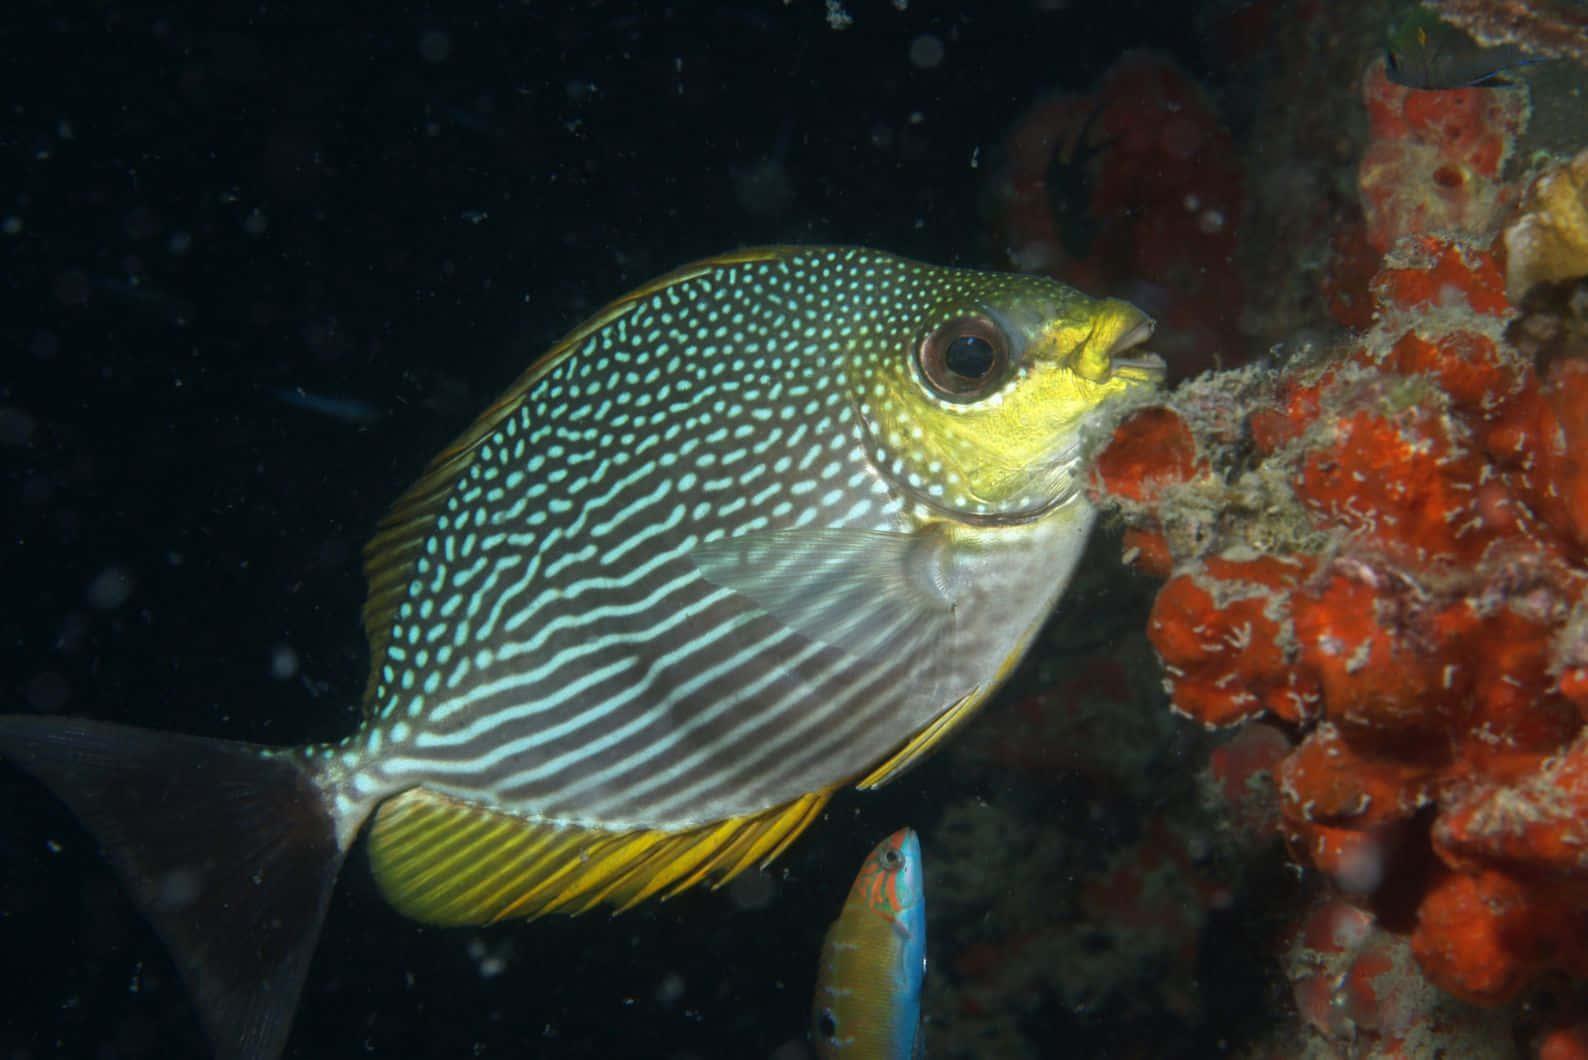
[
  {"x": 765, "y": 845},
  {"x": 445, "y": 860},
  {"x": 922, "y": 743}
]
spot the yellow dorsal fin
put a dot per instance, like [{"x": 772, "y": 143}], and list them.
[
  {"x": 389, "y": 557},
  {"x": 448, "y": 861}
]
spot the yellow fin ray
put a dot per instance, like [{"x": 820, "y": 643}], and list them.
[
  {"x": 523, "y": 877},
  {"x": 770, "y": 845},
  {"x": 922, "y": 743},
  {"x": 630, "y": 856},
  {"x": 455, "y": 849},
  {"x": 449, "y": 861},
  {"x": 754, "y": 846}
]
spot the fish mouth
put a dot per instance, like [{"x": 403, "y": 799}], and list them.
[{"x": 1141, "y": 366}]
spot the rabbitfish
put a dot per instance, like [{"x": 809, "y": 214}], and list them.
[{"x": 771, "y": 524}]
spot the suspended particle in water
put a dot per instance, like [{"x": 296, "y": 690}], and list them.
[
  {"x": 435, "y": 46},
  {"x": 670, "y": 989},
  {"x": 283, "y": 662},
  {"x": 44, "y": 345},
  {"x": 752, "y": 890},
  {"x": 1361, "y": 870},
  {"x": 16, "y": 426},
  {"x": 110, "y": 588},
  {"x": 489, "y": 961},
  {"x": 926, "y": 51}
]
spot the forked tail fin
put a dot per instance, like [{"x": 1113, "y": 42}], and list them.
[{"x": 229, "y": 850}]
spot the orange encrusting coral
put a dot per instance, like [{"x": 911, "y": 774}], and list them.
[
  {"x": 1384, "y": 555},
  {"x": 1221, "y": 628},
  {"x": 1359, "y": 986},
  {"x": 1419, "y": 616},
  {"x": 1441, "y": 273},
  {"x": 1155, "y": 449},
  {"x": 1455, "y": 142},
  {"x": 1482, "y": 935},
  {"x": 1392, "y": 465},
  {"x": 1434, "y": 163}
]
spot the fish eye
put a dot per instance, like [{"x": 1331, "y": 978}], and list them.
[
  {"x": 827, "y": 1024},
  {"x": 970, "y": 356},
  {"x": 891, "y": 859},
  {"x": 964, "y": 359}
]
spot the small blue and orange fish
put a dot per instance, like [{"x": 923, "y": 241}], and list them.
[{"x": 868, "y": 989}]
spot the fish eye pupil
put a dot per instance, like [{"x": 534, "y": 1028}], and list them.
[
  {"x": 970, "y": 356},
  {"x": 890, "y": 858},
  {"x": 964, "y": 359},
  {"x": 827, "y": 1024}
]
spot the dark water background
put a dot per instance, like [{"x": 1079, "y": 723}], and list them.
[{"x": 401, "y": 209}]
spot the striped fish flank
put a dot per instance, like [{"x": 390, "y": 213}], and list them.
[{"x": 774, "y": 523}]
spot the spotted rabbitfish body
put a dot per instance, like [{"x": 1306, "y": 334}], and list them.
[
  {"x": 769, "y": 525},
  {"x": 867, "y": 1004}
]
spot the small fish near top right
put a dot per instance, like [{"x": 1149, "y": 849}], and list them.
[{"x": 1427, "y": 52}]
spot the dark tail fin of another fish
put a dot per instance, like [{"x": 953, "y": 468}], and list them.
[{"x": 230, "y": 852}]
